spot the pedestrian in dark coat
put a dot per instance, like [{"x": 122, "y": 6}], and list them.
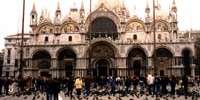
[
  {"x": 173, "y": 85},
  {"x": 185, "y": 84},
  {"x": 70, "y": 86},
  {"x": 87, "y": 85}
]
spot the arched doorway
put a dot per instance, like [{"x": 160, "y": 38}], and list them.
[
  {"x": 103, "y": 27},
  {"x": 102, "y": 56},
  {"x": 163, "y": 61},
  {"x": 67, "y": 62},
  {"x": 102, "y": 67},
  {"x": 137, "y": 61},
  {"x": 42, "y": 60},
  {"x": 186, "y": 60}
]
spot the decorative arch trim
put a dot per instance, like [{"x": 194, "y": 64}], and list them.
[
  {"x": 164, "y": 47},
  {"x": 136, "y": 21},
  {"x": 44, "y": 24},
  {"x": 102, "y": 11},
  {"x": 39, "y": 50},
  {"x": 116, "y": 52},
  {"x": 137, "y": 47},
  {"x": 65, "y": 48},
  {"x": 163, "y": 22}
]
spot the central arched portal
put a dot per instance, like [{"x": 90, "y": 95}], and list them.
[{"x": 102, "y": 58}]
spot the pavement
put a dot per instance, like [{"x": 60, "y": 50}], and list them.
[{"x": 129, "y": 97}]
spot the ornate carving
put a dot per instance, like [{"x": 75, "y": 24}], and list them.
[{"x": 102, "y": 51}]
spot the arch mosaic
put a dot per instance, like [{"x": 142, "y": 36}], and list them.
[
  {"x": 69, "y": 26},
  {"x": 45, "y": 28},
  {"x": 135, "y": 25}
]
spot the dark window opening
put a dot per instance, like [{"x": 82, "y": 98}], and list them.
[
  {"x": 46, "y": 39},
  {"x": 159, "y": 36},
  {"x": 33, "y": 17},
  {"x": 51, "y": 30},
  {"x": 9, "y": 53},
  {"x": 7, "y": 74},
  {"x": 134, "y": 37},
  {"x": 70, "y": 38},
  {"x": 16, "y": 63},
  {"x": 9, "y": 40},
  {"x": 8, "y": 61}
]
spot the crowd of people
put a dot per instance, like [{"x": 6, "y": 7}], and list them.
[{"x": 87, "y": 86}]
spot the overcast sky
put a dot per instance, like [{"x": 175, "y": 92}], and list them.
[{"x": 11, "y": 11}]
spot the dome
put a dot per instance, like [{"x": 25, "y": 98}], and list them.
[{"x": 161, "y": 14}]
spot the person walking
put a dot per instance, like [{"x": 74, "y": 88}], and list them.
[{"x": 78, "y": 86}]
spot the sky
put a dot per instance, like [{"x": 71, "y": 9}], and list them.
[{"x": 11, "y": 12}]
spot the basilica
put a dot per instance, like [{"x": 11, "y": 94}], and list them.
[{"x": 108, "y": 41}]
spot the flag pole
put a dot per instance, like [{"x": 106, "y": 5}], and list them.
[
  {"x": 90, "y": 69},
  {"x": 154, "y": 40},
  {"x": 22, "y": 44}
]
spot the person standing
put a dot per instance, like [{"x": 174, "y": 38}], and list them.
[
  {"x": 150, "y": 82},
  {"x": 185, "y": 84},
  {"x": 1, "y": 85},
  {"x": 70, "y": 86},
  {"x": 128, "y": 85},
  {"x": 87, "y": 85},
  {"x": 78, "y": 86},
  {"x": 173, "y": 85}
]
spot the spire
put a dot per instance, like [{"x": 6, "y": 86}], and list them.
[
  {"x": 74, "y": 8},
  {"x": 41, "y": 16},
  {"x": 57, "y": 18},
  {"x": 58, "y": 11},
  {"x": 174, "y": 8},
  {"x": 123, "y": 4},
  {"x": 58, "y": 5},
  {"x": 42, "y": 13},
  {"x": 147, "y": 9},
  {"x": 157, "y": 5},
  {"x": 33, "y": 17},
  {"x": 33, "y": 9},
  {"x": 82, "y": 6}
]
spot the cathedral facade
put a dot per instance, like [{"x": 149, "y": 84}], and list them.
[{"x": 107, "y": 41}]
